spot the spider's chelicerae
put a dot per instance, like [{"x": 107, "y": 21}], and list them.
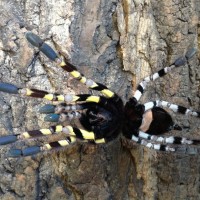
[{"x": 103, "y": 117}]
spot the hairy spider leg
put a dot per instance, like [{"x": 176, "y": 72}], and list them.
[
  {"x": 72, "y": 133},
  {"x": 165, "y": 140},
  {"x": 63, "y": 112},
  {"x": 176, "y": 108},
  {"x": 69, "y": 98},
  {"x": 178, "y": 62},
  {"x": 159, "y": 147},
  {"x": 68, "y": 130},
  {"x": 161, "y": 143},
  {"x": 50, "y": 53},
  {"x": 33, "y": 150}
]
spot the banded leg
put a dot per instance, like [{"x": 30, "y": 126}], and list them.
[
  {"x": 64, "y": 112},
  {"x": 72, "y": 135},
  {"x": 167, "y": 139},
  {"x": 161, "y": 143},
  {"x": 10, "y": 88},
  {"x": 178, "y": 62},
  {"x": 36, "y": 41},
  {"x": 173, "y": 107},
  {"x": 68, "y": 130},
  {"x": 33, "y": 150},
  {"x": 160, "y": 147}
]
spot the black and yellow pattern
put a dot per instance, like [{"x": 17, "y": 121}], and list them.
[
  {"x": 69, "y": 130},
  {"x": 60, "y": 97},
  {"x": 89, "y": 83},
  {"x": 58, "y": 144},
  {"x": 50, "y": 53}
]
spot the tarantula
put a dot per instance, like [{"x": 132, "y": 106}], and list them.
[{"x": 103, "y": 117}]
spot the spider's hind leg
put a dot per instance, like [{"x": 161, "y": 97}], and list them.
[
  {"x": 161, "y": 143},
  {"x": 175, "y": 108},
  {"x": 178, "y": 62}
]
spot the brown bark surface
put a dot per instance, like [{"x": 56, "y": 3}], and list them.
[{"x": 117, "y": 43}]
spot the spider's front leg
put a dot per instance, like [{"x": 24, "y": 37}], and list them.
[{"x": 37, "y": 42}]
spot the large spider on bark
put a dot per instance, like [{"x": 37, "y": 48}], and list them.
[{"x": 103, "y": 117}]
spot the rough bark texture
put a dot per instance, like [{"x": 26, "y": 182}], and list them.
[{"x": 103, "y": 38}]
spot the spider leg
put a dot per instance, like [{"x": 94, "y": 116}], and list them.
[
  {"x": 36, "y": 41},
  {"x": 72, "y": 134},
  {"x": 161, "y": 143},
  {"x": 167, "y": 139},
  {"x": 178, "y": 62},
  {"x": 176, "y": 108},
  {"x": 69, "y": 130},
  {"x": 33, "y": 150},
  {"x": 63, "y": 111},
  {"x": 159, "y": 147},
  {"x": 69, "y": 98},
  {"x": 8, "y": 139}
]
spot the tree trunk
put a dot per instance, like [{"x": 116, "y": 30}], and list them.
[{"x": 116, "y": 43}]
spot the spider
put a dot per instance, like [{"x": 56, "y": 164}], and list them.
[{"x": 103, "y": 117}]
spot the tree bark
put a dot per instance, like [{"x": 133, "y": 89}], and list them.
[{"x": 116, "y": 43}]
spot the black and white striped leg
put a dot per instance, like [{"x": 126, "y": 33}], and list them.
[
  {"x": 155, "y": 146},
  {"x": 178, "y": 62},
  {"x": 161, "y": 143},
  {"x": 167, "y": 139},
  {"x": 176, "y": 108}
]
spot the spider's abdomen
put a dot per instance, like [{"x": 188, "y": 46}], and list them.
[{"x": 161, "y": 123}]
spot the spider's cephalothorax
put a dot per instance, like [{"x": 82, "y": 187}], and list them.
[{"x": 102, "y": 117}]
